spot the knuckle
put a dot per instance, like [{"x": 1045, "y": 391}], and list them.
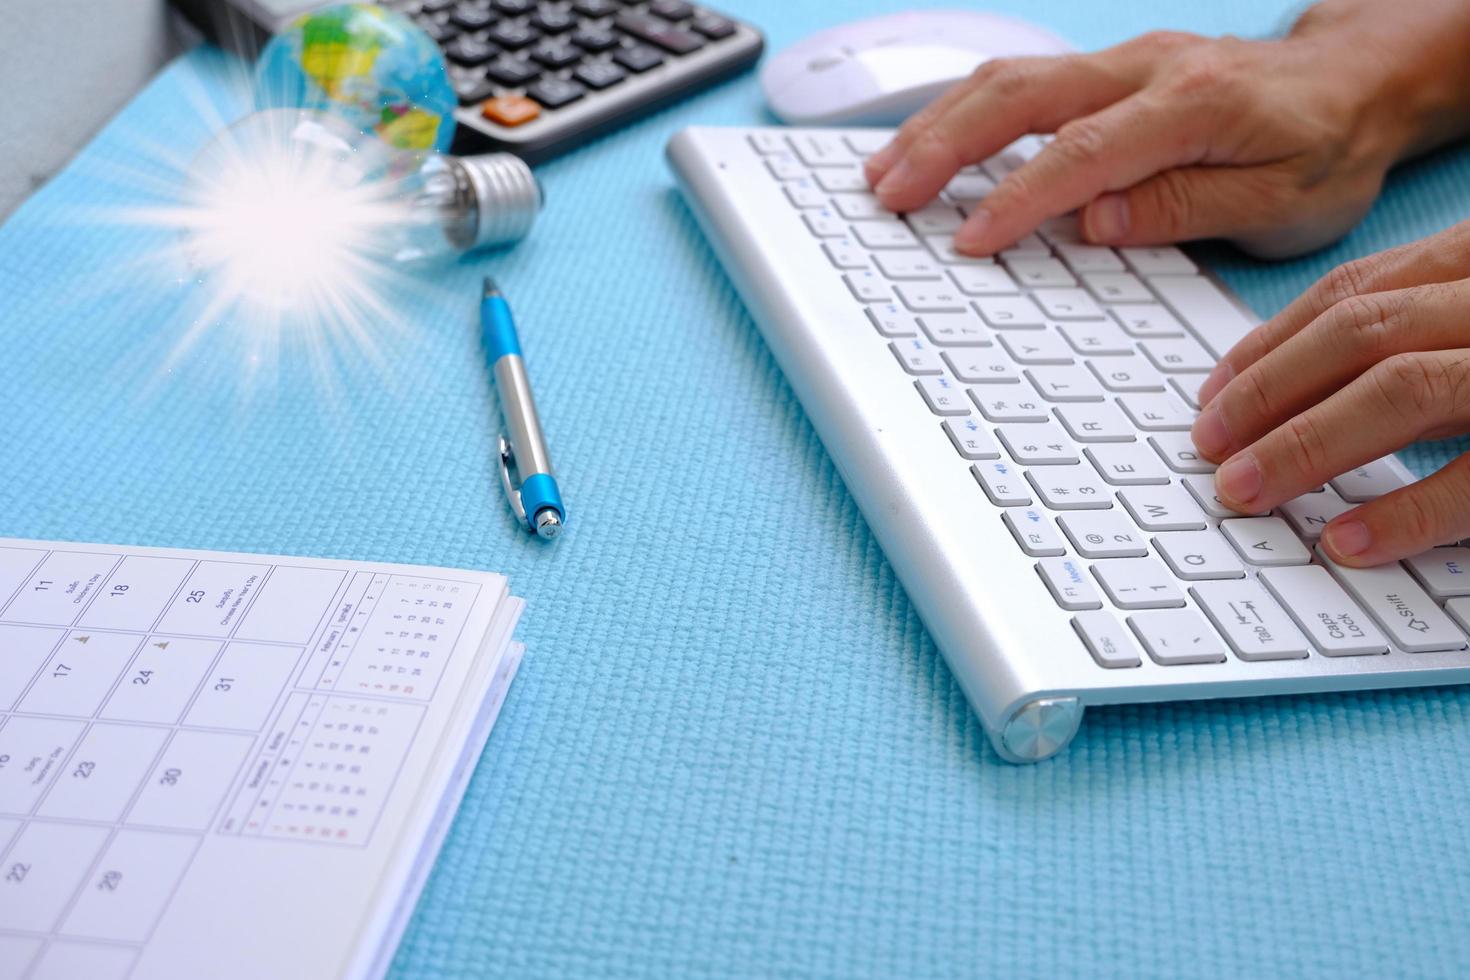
[
  {"x": 1307, "y": 446},
  {"x": 1008, "y": 78},
  {"x": 1080, "y": 142},
  {"x": 1255, "y": 397},
  {"x": 1348, "y": 280},
  {"x": 1414, "y": 384},
  {"x": 1368, "y": 323},
  {"x": 1205, "y": 74},
  {"x": 934, "y": 145},
  {"x": 1417, "y": 515}
]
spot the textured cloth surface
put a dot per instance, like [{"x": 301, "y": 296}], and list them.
[{"x": 732, "y": 748}]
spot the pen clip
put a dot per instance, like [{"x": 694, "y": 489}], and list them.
[{"x": 512, "y": 493}]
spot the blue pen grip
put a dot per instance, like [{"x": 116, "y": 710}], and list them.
[{"x": 498, "y": 329}]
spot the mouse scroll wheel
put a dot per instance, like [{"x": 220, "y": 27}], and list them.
[{"x": 822, "y": 62}]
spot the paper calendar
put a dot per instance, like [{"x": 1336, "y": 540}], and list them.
[{"x": 231, "y": 765}]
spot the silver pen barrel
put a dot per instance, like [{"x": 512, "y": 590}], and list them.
[{"x": 522, "y": 424}]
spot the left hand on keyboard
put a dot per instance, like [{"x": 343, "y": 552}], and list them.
[{"x": 1374, "y": 356}]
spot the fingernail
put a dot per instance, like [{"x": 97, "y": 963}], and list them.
[
  {"x": 895, "y": 179},
  {"x": 1239, "y": 479},
  {"x": 1107, "y": 218},
  {"x": 1211, "y": 437},
  {"x": 879, "y": 162},
  {"x": 1215, "y": 382},
  {"x": 1347, "y": 538},
  {"x": 972, "y": 232}
]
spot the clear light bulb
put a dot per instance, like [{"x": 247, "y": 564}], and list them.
[{"x": 287, "y": 203}]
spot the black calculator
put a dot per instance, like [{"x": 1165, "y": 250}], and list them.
[{"x": 538, "y": 77}]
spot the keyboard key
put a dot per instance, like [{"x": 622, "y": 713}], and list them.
[
  {"x": 893, "y": 322},
  {"x": 1130, "y": 373},
  {"x": 713, "y": 27},
  {"x": 824, "y": 224},
  {"x": 1034, "y": 532},
  {"x": 1036, "y": 443},
  {"x": 1138, "y": 583},
  {"x": 1010, "y": 313},
  {"x": 785, "y": 166},
  {"x": 599, "y": 75},
  {"x": 1187, "y": 387},
  {"x": 843, "y": 254},
  {"x": 848, "y": 180},
  {"x": 1397, "y": 604},
  {"x": 638, "y": 58},
  {"x": 955, "y": 329},
  {"x": 1216, "y": 320},
  {"x": 1029, "y": 247},
  {"x": 594, "y": 39},
  {"x": 1177, "y": 636},
  {"x": 513, "y": 71},
  {"x": 1147, "y": 320},
  {"x": 971, "y": 439},
  {"x": 1094, "y": 422},
  {"x": 1035, "y": 347},
  {"x": 1066, "y": 579},
  {"x": 1096, "y": 337},
  {"x": 1158, "y": 261},
  {"x": 1177, "y": 449},
  {"x": 1459, "y": 610},
  {"x": 469, "y": 51},
  {"x": 1037, "y": 272},
  {"x": 1061, "y": 230},
  {"x": 917, "y": 357},
  {"x": 1311, "y": 512},
  {"x": 923, "y": 297},
  {"x": 865, "y": 142},
  {"x": 510, "y": 110},
  {"x": 659, "y": 33},
  {"x": 512, "y": 36},
  {"x": 1202, "y": 488},
  {"x": 1003, "y": 484},
  {"x": 981, "y": 366},
  {"x": 1081, "y": 258},
  {"x": 906, "y": 263},
  {"x": 1445, "y": 572},
  {"x": 819, "y": 148},
  {"x": 936, "y": 219},
  {"x": 943, "y": 248},
  {"x": 884, "y": 234},
  {"x": 943, "y": 395},
  {"x": 862, "y": 207},
  {"x": 1336, "y": 625},
  {"x": 1265, "y": 541},
  {"x": 1127, "y": 464},
  {"x": 1253, "y": 624},
  {"x": 1175, "y": 356},
  {"x": 1198, "y": 555},
  {"x": 1102, "y": 534},
  {"x": 1065, "y": 384},
  {"x": 1010, "y": 404},
  {"x": 1070, "y": 488},
  {"x": 1109, "y": 644},
  {"x": 1157, "y": 413},
  {"x": 970, "y": 187},
  {"x": 867, "y": 286},
  {"x": 555, "y": 54},
  {"x": 983, "y": 280},
  {"x": 1368, "y": 482},
  {"x": 1067, "y": 304},
  {"x": 1117, "y": 287},
  {"x": 803, "y": 192},
  {"x": 1163, "y": 508}
]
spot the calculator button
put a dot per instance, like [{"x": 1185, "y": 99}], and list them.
[
  {"x": 440, "y": 31},
  {"x": 471, "y": 17},
  {"x": 555, "y": 54},
  {"x": 638, "y": 58},
  {"x": 470, "y": 51},
  {"x": 658, "y": 32},
  {"x": 713, "y": 27},
  {"x": 512, "y": 7},
  {"x": 599, "y": 75},
  {"x": 510, "y": 110},
  {"x": 594, "y": 39},
  {"x": 512, "y": 72},
  {"x": 549, "y": 20},
  {"x": 473, "y": 88},
  {"x": 671, "y": 9},
  {"x": 596, "y": 8},
  {"x": 512, "y": 36}
]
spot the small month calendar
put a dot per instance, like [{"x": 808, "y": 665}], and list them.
[{"x": 231, "y": 765}]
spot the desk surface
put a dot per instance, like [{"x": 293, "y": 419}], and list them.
[{"x": 732, "y": 747}]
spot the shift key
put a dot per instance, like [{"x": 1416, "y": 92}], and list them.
[{"x": 1399, "y": 605}]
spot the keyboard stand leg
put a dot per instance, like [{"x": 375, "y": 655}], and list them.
[{"x": 1039, "y": 729}]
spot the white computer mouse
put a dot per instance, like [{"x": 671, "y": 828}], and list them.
[{"x": 877, "y": 72}]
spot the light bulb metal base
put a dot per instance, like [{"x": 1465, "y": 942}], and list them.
[{"x": 508, "y": 197}]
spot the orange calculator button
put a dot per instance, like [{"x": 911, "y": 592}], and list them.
[{"x": 510, "y": 110}]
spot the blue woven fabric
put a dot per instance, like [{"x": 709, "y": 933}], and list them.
[{"x": 732, "y": 748}]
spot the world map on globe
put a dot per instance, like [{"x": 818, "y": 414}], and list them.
[{"x": 374, "y": 67}]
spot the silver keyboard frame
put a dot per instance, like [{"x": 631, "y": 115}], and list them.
[{"x": 1013, "y": 650}]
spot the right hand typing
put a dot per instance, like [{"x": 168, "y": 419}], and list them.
[{"x": 1280, "y": 146}]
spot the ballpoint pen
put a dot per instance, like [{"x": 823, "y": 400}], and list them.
[{"x": 537, "y": 501}]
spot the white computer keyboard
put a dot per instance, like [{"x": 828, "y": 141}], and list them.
[{"x": 1062, "y": 539}]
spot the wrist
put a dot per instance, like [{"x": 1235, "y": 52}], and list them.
[{"x": 1409, "y": 76}]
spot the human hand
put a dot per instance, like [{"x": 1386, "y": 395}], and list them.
[
  {"x": 1280, "y": 146},
  {"x": 1374, "y": 356}
]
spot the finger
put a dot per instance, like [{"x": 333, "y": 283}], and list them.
[
  {"x": 1434, "y": 511},
  {"x": 1017, "y": 97},
  {"x": 875, "y": 166},
  {"x": 1439, "y": 258},
  {"x": 1112, "y": 149},
  {"x": 1407, "y": 397},
  {"x": 1338, "y": 346},
  {"x": 1188, "y": 203}
]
